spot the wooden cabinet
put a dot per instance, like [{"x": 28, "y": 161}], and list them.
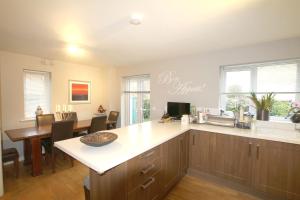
[
  {"x": 184, "y": 153},
  {"x": 277, "y": 169},
  {"x": 110, "y": 185},
  {"x": 171, "y": 163},
  {"x": 270, "y": 168},
  {"x": 232, "y": 158},
  {"x": 293, "y": 176},
  {"x": 150, "y": 189},
  {"x": 142, "y": 167},
  {"x": 200, "y": 156},
  {"x": 266, "y": 167}
]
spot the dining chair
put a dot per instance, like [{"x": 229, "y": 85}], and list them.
[
  {"x": 60, "y": 130},
  {"x": 44, "y": 120},
  {"x": 113, "y": 118},
  {"x": 11, "y": 154},
  {"x": 70, "y": 116},
  {"x": 98, "y": 124}
]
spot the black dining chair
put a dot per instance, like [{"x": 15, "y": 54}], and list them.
[
  {"x": 70, "y": 116},
  {"x": 11, "y": 155},
  {"x": 60, "y": 130},
  {"x": 45, "y": 120},
  {"x": 98, "y": 124},
  {"x": 112, "y": 119}
]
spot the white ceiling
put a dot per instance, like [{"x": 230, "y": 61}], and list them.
[{"x": 170, "y": 27}]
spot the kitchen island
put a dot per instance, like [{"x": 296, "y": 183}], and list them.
[{"x": 148, "y": 159}]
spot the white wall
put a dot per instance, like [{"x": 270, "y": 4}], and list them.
[
  {"x": 61, "y": 73},
  {"x": 203, "y": 70}
]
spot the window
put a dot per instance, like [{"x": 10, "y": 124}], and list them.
[
  {"x": 281, "y": 77},
  {"x": 36, "y": 92},
  {"x": 136, "y": 99}
]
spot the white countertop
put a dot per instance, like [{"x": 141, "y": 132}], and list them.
[{"x": 137, "y": 139}]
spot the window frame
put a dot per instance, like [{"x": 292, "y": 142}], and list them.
[
  {"x": 25, "y": 70},
  {"x": 139, "y": 91},
  {"x": 252, "y": 67}
]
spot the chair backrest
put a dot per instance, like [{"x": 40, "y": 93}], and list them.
[
  {"x": 98, "y": 124},
  {"x": 113, "y": 116},
  {"x": 44, "y": 120},
  {"x": 62, "y": 130},
  {"x": 70, "y": 116}
]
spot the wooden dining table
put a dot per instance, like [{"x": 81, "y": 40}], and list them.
[{"x": 32, "y": 142}]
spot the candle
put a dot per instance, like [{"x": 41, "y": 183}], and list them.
[
  {"x": 70, "y": 108},
  {"x": 57, "y": 108},
  {"x": 64, "y": 108}
]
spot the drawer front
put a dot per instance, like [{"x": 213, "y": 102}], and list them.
[
  {"x": 141, "y": 172},
  {"x": 150, "y": 189},
  {"x": 150, "y": 155}
]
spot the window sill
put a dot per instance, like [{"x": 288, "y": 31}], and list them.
[{"x": 27, "y": 120}]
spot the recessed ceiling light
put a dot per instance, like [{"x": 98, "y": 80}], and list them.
[
  {"x": 74, "y": 50},
  {"x": 136, "y": 18}
]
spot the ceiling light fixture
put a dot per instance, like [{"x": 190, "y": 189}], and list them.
[
  {"x": 74, "y": 50},
  {"x": 136, "y": 19}
]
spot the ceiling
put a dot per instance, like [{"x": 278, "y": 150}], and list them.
[{"x": 170, "y": 27}]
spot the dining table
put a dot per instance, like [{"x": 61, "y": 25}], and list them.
[{"x": 32, "y": 141}]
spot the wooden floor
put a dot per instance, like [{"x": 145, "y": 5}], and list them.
[
  {"x": 66, "y": 184},
  {"x": 190, "y": 188}
]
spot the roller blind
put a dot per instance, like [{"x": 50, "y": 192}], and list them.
[
  {"x": 280, "y": 77},
  {"x": 136, "y": 99},
  {"x": 36, "y": 92}
]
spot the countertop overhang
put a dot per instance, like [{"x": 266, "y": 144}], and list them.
[{"x": 136, "y": 139}]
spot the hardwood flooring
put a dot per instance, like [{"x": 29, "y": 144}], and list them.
[
  {"x": 191, "y": 188},
  {"x": 66, "y": 184}
]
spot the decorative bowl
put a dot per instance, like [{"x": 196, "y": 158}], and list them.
[{"x": 98, "y": 139}]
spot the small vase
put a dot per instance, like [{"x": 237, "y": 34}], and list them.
[
  {"x": 262, "y": 115},
  {"x": 295, "y": 118}
]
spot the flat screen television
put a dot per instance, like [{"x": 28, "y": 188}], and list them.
[{"x": 177, "y": 109}]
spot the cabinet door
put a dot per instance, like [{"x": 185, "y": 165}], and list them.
[
  {"x": 270, "y": 168},
  {"x": 293, "y": 178},
  {"x": 184, "y": 151},
  {"x": 200, "y": 150},
  {"x": 232, "y": 158},
  {"x": 171, "y": 163}
]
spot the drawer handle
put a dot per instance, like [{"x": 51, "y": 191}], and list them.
[
  {"x": 257, "y": 152},
  {"x": 249, "y": 150},
  {"x": 193, "y": 139},
  {"x": 148, "y": 183},
  {"x": 148, "y": 154},
  {"x": 148, "y": 169}
]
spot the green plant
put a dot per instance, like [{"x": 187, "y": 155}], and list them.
[{"x": 265, "y": 103}]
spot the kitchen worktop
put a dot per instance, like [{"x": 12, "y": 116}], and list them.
[{"x": 136, "y": 139}]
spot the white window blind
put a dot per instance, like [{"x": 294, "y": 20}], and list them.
[
  {"x": 279, "y": 77},
  {"x": 36, "y": 92},
  {"x": 136, "y": 99}
]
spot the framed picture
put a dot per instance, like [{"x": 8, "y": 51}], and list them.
[{"x": 79, "y": 92}]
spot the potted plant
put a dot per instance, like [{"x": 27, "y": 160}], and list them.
[
  {"x": 263, "y": 105},
  {"x": 295, "y": 112}
]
